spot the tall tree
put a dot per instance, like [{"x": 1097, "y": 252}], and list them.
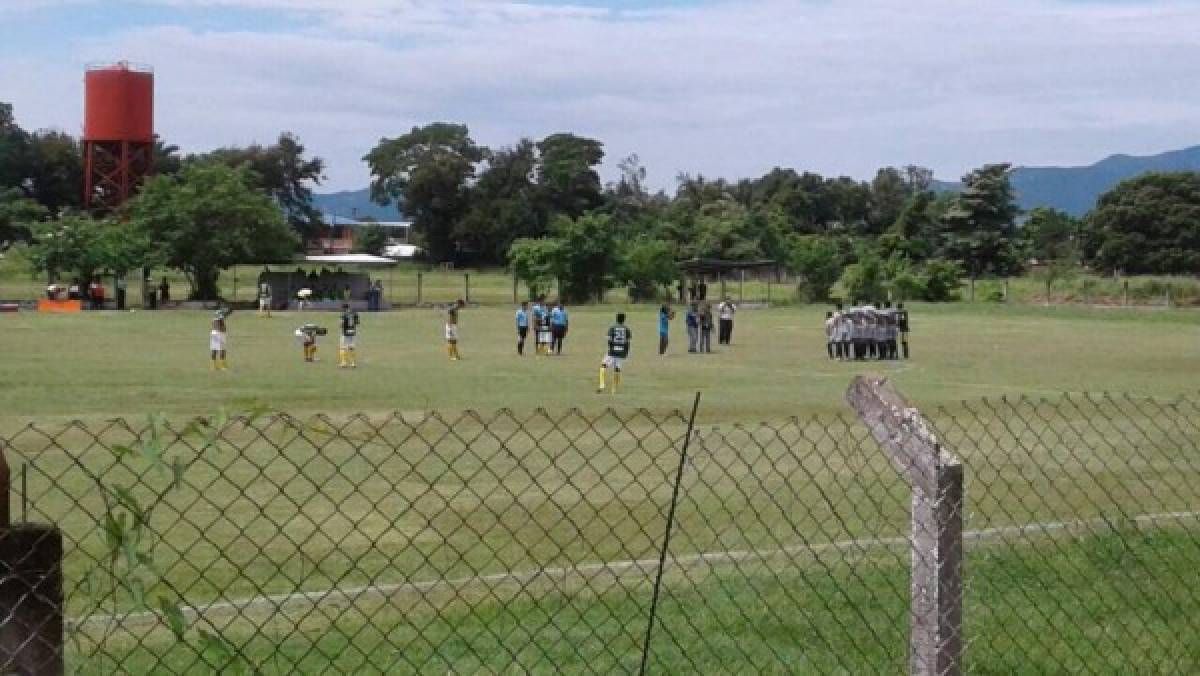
[
  {"x": 889, "y": 191},
  {"x": 17, "y": 214},
  {"x": 1148, "y": 224},
  {"x": 429, "y": 169},
  {"x": 282, "y": 171},
  {"x": 209, "y": 217},
  {"x": 567, "y": 173},
  {"x": 503, "y": 204},
  {"x": 14, "y": 150},
  {"x": 979, "y": 229},
  {"x": 55, "y": 172},
  {"x": 82, "y": 247}
]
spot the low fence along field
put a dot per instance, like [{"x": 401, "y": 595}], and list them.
[{"x": 466, "y": 542}]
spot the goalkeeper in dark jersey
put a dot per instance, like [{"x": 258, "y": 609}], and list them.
[
  {"x": 619, "y": 339},
  {"x": 346, "y": 356}
]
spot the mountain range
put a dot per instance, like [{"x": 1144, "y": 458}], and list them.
[{"x": 1070, "y": 189}]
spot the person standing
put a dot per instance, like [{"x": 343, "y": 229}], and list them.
[
  {"x": 452, "y": 330},
  {"x": 558, "y": 327},
  {"x": 164, "y": 293},
  {"x": 120, "y": 292},
  {"x": 702, "y": 290},
  {"x": 348, "y": 342},
  {"x": 830, "y": 334},
  {"x": 218, "y": 340},
  {"x": 522, "y": 318},
  {"x": 619, "y": 340},
  {"x": 902, "y": 325},
  {"x": 692, "y": 319},
  {"x": 264, "y": 298},
  {"x": 706, "y": 327},
  {"x": 725, "y": 312},
  {"x": 665, "y": 315}
]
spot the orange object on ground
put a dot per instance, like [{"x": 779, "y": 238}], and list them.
[{"x": 47, "y": 305}]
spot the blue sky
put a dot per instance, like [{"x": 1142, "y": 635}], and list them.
[{"x": 719, "y": 87}]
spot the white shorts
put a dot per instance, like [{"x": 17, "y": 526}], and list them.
[
  {"x": 264, "y": 303},
  {"x": 347, "y": 342},
  {"x": 216, "y": 341},
  {"x": 615, "y": 362},
  {"x": 451, "y": 333}
]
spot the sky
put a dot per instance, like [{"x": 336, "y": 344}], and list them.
[{"x": 715, "y": 87}]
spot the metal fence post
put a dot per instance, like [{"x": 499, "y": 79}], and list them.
[
  {"x": 936, "y": 477},
  {"x": 467, "y": 284},
  {"x": 418, "y": 288},
  {"x": 31, "y": 592}
]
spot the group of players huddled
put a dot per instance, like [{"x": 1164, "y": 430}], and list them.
[{"x": 867, "y": 332}]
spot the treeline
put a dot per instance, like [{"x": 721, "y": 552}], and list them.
[{"x": 540, "y": 207}]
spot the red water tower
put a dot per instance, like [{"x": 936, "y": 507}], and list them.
[{"x": 118, "y": 133}]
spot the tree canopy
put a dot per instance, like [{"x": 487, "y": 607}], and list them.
[{"x": 1148, "y": 224}]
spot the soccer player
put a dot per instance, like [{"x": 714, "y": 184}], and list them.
[
  {"x": 545, "y": 335},
  {"x": 217, "y": 339},
  {"x": 264, "y": 299},
  {"x": 665, "y": 315},
  {"x": 346, "y": 355},
  {"x": 619, "y": 339},
  {"x": 539, "y": 317},
  {"x": 902, "y": 325},
  {"x": 692, "y": 319},
  {"x": 452, "y": 330},
  {"x": 522, "y": 326},
  {"x": 830, "y": 334},
  {"x": 307, "y": 335},
  {"x": 558, "y": 327}
]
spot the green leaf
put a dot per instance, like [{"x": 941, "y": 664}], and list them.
[
  {"x": 173, "y": 616},
  {"x": 121, "y": 451}
]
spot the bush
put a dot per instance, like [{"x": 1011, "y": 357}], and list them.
[{"x": 941, "y": 280}]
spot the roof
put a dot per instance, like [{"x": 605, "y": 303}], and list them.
[
  {"x": 401, "y": 250},
  {"x": 718, "y": 265},
  {"x": 334, "y": 219},
  {"x": 350, "y": 259}
]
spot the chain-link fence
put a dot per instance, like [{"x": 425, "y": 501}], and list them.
[{"x": 424, "y": 542}]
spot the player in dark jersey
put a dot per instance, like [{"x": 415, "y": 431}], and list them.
[
  {"x": 619, "y": 339},
  {"x": 346, "y": 356}
]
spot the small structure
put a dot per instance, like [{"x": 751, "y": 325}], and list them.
[
  {"x": 700, "y": 271},
  {"x": 118, "y": 133},
  {"x": 339, "y": 279},
  {"x": 338, "y": 236}
]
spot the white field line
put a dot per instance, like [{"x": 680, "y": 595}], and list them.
[{"x": 281, "y": 602}]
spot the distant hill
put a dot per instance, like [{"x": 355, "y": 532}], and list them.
[
  {"x": 1076, "y": 189},
  {"x": 348, "y": 203}
]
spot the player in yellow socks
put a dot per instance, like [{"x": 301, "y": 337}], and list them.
[
  {"x": 307, "y": 335},
  {"x": 452, "y": 330},
  {"x": 619, "y": 339},
  {"x": 217, "y": 339},
  {"x": 346, "y": 356}
]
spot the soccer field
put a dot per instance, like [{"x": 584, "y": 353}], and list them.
[
  {"x": 435, "y": 514},
  {"x": 99, "y": 365}
]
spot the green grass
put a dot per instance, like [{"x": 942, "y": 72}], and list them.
[{"x": 392, "y": 500}]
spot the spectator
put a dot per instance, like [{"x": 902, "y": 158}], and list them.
[
  {"x": 665, "y": 315},
  {"x": 96, "y": 292},
  {"x": 706, "y": 327},
  {"x": 702, "y": 290},
  {"x": 164, "y": 292},
  {"x": 725, "y": 312},
  {"x": 120, "y": 292},
  {"x": 692, "y": 319}
]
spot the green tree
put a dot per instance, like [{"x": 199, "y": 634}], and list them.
[
  {"x": 817, "y": 262},
  {"x": 1148, "y": 225},
  {"x": 724, "y": 230},
  {"x": 889, "y": 194},
  {"x": 503, "y": 204},
  {"x": 535, "y": 262},
  {"x": 979, "y": 229},
  {"x": 646, "y": 265},
  {"x": 280, "y": 170},
  {"x": 80, "y": 246},
  {"x": 14, "y": 150},
  {"x": 17, "y": 214},
  {"x": 587, "y": 257},
  {"x": 566, "y": 173},
  {"x": 55, "y": 171},
  {"x": 1050, "y": 235},
  {"x": 864, "y": 280},
  {"x": 209, "y": 217},
  {"x": 429, "y": 168}
]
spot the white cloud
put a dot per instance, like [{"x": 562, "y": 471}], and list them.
[{"x": 729, "y": 88}]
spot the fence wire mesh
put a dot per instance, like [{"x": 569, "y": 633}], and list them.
[{"x": 426, "y": 542}]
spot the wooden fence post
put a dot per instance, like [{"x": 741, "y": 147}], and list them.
[
  {"x": 31, "y": 592},
  {"x": 418, "y": 288},
  {"x": 467, "y": 284},
  {"x": 936, "y": 476}
]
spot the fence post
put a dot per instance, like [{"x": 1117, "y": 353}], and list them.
[
  {"x": 515, "y": 282},
  {"x": 936, "y": 476},
  {"x": 741, "y": 287},
  {"x": 467, "y": 284},
  {"x": 31, "y": 592},
  {"x": 1125, "y": 292},
  {"x": 418, "y": 288}
]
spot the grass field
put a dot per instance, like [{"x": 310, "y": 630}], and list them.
[
  {"x": 112, "y": 364},
  {"x": 394, "y": 507}
]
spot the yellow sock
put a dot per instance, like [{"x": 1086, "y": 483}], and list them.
[
  {"x": 603, "y": 373},
  {"x": 454, "y": 348},
  {"x": 222, "y": 363},
  {"x": 450, "y": 350},
  {"x": 213, "y": 361},
  {"x": 341, "y": 357},
  {"x": 616, "y": 381},
  {"x": 353, "y": 359}
]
